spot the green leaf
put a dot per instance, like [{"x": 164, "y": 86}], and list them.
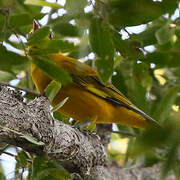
[
  {"x": 5, "y": 76},
  {"x": 53, "y": 45},
  {"x": 163, "y": 108},
  {"x": 45, "y": 169},
  {"x": 22, "y": 159},
  {"x": 61, "y": 117},
  {"x": 118, "y": 81},
  {"x": 19, "y": 20},
  {"x": 163, "y": 59},
  {"x": 147, "y": 37},
  {"x": 142, "y": 72},
  {"x": 59, "y": 174},
  {"x": 42, "y": 3},
  {"x": 12, "y": 62},
  {"x": 74, "y": 7},
  {"x": 53, "y": 71},
  {"x": 176, "y": 169},
  {"x": 2, "y": 176},
  {"x": 66, "y": 29},
  {"x": 164, "y": 34},
  {"x": 28, "y": 137},
  {"x": 129, "y": 151},
  {"x": 127, "y": 48},
  {"x": 40, "y": 16},
  {"x": 65, "y": 18},
  {"x": 105, "y": 68},
  {"x": 100, "y": 39},
  {"x": 2, "y": 21},
  {"x": 138, "y": 12},
  {"x": 151, "y": 138},
  {"x": 136, "y": 93},
  {"x": 102, "y": 45},
  {"x": 80, "y": 52},
  {"x": 39, "y": 164},
  {"x": 19, "y": 6},
  {"x": 58, "y": 106},
  {"x": 52, "y": 89},
  {"x": 42, "y": 52},
  {"x": 38, "y": 35},
  {"x": 171, "y": 160},
  {"x": 31, "y": 139}
]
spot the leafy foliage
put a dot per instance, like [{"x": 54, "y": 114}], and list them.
[
  {"x": 40, "y": 167},
  {"x": 52, "y": 70},
  {"x": 144, "y": 66}
]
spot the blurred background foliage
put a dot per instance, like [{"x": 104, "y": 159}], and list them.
[{"x": 133, "y": 44}]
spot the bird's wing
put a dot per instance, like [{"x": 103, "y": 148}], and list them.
[
  {"x": 108, "y": 93},
  {"x": 72, "y": 66},
  {"x": 86, "y": 77},
  {"x": 95, "y": 86}
]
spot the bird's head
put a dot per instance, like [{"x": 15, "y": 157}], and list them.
[{"x": 37, "y": 26}]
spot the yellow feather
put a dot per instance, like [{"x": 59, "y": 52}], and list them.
[{"x": 89, "y": 97}]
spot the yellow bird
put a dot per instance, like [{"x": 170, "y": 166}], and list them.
[{"x": 89, "y": 98}]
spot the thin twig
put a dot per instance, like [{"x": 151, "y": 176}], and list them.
[
  {"x": 126, "y": 133},
  {"x": 4, "y": 148},
  {"x": 20, "y": 88},
  {"x": 13, "y": 155},
  {"x": 127, "y": 31},
  {"x": 21, "y": 175},
  {"x": 22, "y": 43},
  {"x": 9, "y": 154}
]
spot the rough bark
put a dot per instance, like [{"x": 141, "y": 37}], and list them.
[{"x": 81, "y": 153}]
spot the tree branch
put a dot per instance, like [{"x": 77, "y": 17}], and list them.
[
  {"x": 20, "y": 88},
  {"x": 79, "y": 152}
]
